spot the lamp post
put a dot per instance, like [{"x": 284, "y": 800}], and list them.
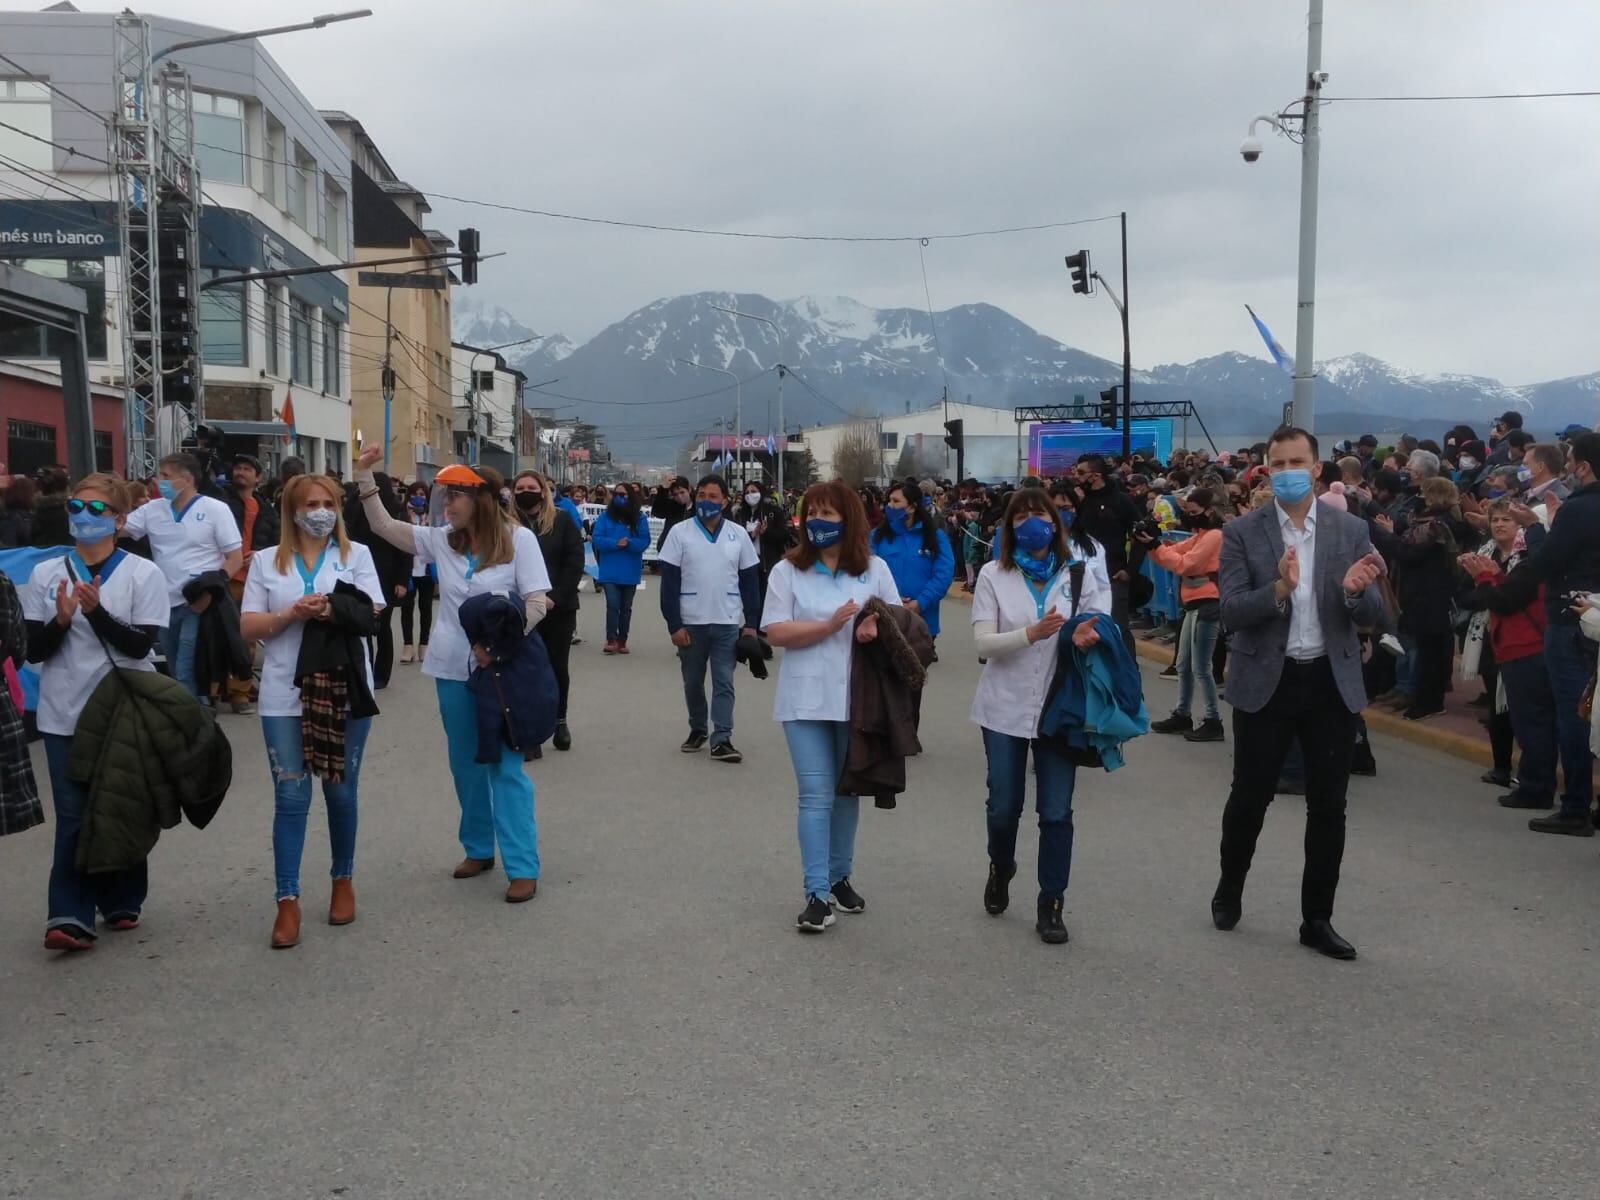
[
  {"x": 1309, "y": 136},
  {"x": 251, "y": 35},
  {"x": 778, "y": 333},
  {"x": 738, "y": 410},
  {"x": 472, "y": 399}
]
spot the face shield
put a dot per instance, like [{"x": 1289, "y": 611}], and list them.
[{"x": 456, "y": 487}]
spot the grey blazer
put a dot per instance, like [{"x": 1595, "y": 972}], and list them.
[{"x": 1259, "y": 629}]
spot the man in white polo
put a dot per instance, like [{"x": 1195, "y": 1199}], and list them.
[
  {"x": 710, "y": 594},
  {"x": 189, "y": 534}
]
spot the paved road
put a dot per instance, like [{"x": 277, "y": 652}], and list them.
[{"x": 651, "y": 1025}]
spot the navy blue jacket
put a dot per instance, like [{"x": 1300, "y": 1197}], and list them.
[
  {"x": 516, "y": 694},
  {"x": 1096, "y": 699}
]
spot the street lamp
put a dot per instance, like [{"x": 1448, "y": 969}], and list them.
[
  {"x": 738, "y": 410},
  {"x": 779, "y": 334},
  {"x": 1310, "y": 138},
  {"x": 472, "y": 399},
  {"x": 251, "y": 35}
]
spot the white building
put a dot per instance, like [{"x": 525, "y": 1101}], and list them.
[
  {"x": 993, "y": 447},
  {"x": 276, "y": 189},
  {"x": 487, "y": 412}
]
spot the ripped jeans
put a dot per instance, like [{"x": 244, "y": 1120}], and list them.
[{"x": 291, "y": 790}]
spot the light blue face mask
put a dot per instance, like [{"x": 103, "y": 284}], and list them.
[
  {"x": 86, "y": 527},
  {"x": 1291, "y": 486},
  {"x": 168, "y": 489}
]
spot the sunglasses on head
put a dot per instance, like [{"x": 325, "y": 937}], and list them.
[{"x": 97, "y": 507}]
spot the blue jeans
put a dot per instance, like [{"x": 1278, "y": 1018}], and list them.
[
  {"x": 1053, "y": 785},
  {"x": 714, "y": 645},
  {"x": 496, "y": 798},
  {"x": 827, "y": 821},
  {"x": 1570, "y": 659},
  {"x": 177, "y": 643},
  {"x": 291, "y": 794},
  {"x": 75, "y": 895},
  {"x": 1533, "y": 720},
  {"x": 1197, "y": 644},
  {"x": 1405, "y": 668},
  {"x": 619, "y": 610}
]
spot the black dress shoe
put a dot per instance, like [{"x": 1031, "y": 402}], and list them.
[
  {"x": 1497, "y": 777},
  {"x": 1524, "y": 800},
  {"x": 563, "y": 737},
  {"x": 1320, "y": 936},
  {"x": 1225, "y": 912}
]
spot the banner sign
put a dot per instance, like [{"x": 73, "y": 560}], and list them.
[{"x": 756, "y": 443}]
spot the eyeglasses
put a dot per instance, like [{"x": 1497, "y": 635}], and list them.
[{"x": 98, "y": 508}]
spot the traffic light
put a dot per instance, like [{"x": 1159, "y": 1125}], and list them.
[
  {"x": 467, "y": 239},
  {"x": 955, "y": 438},
  {"x": 1078, "y": 264},
  {"x": 1108, "y": 407}
]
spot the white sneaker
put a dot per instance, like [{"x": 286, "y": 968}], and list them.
[{"x": 1392, "y": 644}]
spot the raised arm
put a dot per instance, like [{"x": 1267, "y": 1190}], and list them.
[{"x": 396, "y": 533}]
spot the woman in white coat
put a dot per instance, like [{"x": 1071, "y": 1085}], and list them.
[{"x": 1022, "y": 601}]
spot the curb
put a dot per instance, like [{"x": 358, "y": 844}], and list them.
[{"x": 1458, "y": 744}]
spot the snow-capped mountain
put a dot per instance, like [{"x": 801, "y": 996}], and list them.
[
  {"x": 844, "y": 359},
  {"x": 474, "y": 323}
]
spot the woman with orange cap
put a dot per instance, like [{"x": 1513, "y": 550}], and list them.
[{"x": 477, "y": 547}]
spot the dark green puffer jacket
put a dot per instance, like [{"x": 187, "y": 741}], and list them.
[{"x": 148, "y": 753}]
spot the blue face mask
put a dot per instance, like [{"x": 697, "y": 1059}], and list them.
[
  {"x": 86, "y": 527},
  {"x": 1066, "y": 515},
  {"x": 418, "y": 503},
  {"x": 1291, "y": 486},
  {"x": 1035, "y": 534},
  {"x": 708, "y": 510},
  {"x": 168, "y": 489},
  {"x": 900, "y": 518},
  {"x": 1524, "y": 475},
  {"x": 824, "y": 533},
  {"x": 619, "y": 502}
]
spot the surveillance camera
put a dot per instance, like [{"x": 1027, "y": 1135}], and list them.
[
  {"x": 1250, "y": 149},
  {"x": 1320, "y": 76}
]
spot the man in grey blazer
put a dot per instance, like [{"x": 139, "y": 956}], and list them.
[{"x": 1295, "y": 580}]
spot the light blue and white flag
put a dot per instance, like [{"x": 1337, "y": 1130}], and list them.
[
  {"x": 772, "y": 444},
  {"x": 1278, "y": 356}
]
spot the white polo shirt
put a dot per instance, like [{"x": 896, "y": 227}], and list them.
[
  {"x": 187, "y": 543},
  {"x": 1011, "y": 690},
  {"x": 269, "y": 590},
  {"x": 710, "y": 567},
  {"x": 449, "y": 653},
  {"x": 814, "y": 680},
  {"x": 135, "y": 593}
]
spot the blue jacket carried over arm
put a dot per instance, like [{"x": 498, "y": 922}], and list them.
[
  {"x": 619, "y": 564},
  {"x": 516, "y": 693},
  {"x": 1096, "y": 699},
  {"x": 919, "y": 575}
]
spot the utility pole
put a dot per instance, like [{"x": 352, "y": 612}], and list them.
[
  {"x": 1305, "y": 371},
  {"x": 1127, "y": 352}
]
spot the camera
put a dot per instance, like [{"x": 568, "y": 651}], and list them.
[
  {"x": 1250, "y": 148},
  {"x": 1146, "y": 530}
]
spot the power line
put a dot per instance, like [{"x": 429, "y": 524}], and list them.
[
  {"x": 933, "y": 324},
  {"x": 69, "y": 149},
  {"x": 727, "y": 387},
  {"x": 1461, "y": 96}
]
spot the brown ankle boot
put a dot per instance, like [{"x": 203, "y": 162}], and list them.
[
  {"x": 342, "y": 908},
  {"x": 286, "y": 929},
  {"x": 471, "y": 867},
  {"x": 521, "y": 890}
]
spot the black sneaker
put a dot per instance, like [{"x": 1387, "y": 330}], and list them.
[
  {"x": 694, "y": 743},
  {"x": 725, "y": 752},
  {"x": 1209, "y": 730},
  {"x": 1170, "y": 671},
  {"x": 817, "y": 916},
  {"x": 1524, "y": 800},
  {"x": 563, "y": 737},
  {"x": 1573, "y": 824},
  {"x": 1176, "y": 723},
  {"x": 1051, "y": 931},
  {"x": 845, "y": 898},
  {"x": 1418, "y": 713},
  {"x": 997, "y": 892}
]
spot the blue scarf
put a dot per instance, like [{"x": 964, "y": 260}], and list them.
[{"x": 1041, "y": 570}]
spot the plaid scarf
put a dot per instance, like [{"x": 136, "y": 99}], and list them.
[
  {"x": 324, "y": 704},
  {"x": 19, "y": 794}
]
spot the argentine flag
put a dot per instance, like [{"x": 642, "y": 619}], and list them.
[{"x": 1278, "y": 356}]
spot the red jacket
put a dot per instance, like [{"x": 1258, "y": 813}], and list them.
[{"x": 1518, "y": 634}]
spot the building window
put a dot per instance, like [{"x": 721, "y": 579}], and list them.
[
  {"x": 26, "y": 105},
  {"x": 224, "y": 324},
  {"x": 483, "y": 381},
  {"x": 302, "y": 186},
  {"x": 102, "y": 451},
  {"x": 34, "y": 341},
  {"x": 277, "y": 161},
  {"x": 274, "y": 315},
  {"x": 300, "y": 319},
  {"x": 888, "y": 441},
  {"x": 333, "y": 457},
  {"x": 331, "y": 331},
  {"x": 333, "y": 216},
  {"x": 219, "y": 138},
  {"x": 29, "y": 446}
]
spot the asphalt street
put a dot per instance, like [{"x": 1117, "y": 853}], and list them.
[{"x": 652, "y": 1024}]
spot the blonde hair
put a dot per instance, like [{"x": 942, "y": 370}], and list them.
[
  {"x": 113, "y": 487},
  {"x": 292, "y": 501},
  {"x": 1440, "y": 493},
  {"x": 544, "y": 520}
]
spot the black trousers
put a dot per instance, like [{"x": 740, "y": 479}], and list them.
[
  {"x": 556, "y": 629},
  {"x": 420, "y": 598},
  {"x": 1435, "y": 656},
  {"x": 1307, "y": 706},
  {"x": 383, "y": 659}
]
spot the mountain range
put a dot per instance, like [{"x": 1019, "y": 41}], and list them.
[{"x": 844, "y": 359}]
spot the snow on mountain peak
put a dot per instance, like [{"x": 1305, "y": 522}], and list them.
[{"x": 838, "y": 316}]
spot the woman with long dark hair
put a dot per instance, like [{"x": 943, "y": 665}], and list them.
[
  {"x": 561, "y": 543},
  {"x": 620, "y": 536},
  {"x": 478, "y": 549},
  {"x": 419, "y": 598},
  {"x": 917, "y": 550},
  {"x": 813, "y": 597},
  {"x": 1023, "y": 600}
]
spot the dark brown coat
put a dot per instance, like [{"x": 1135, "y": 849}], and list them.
[{"x": 886, "y": 675}]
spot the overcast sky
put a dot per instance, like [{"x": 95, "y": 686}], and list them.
[{"x": 1454, "y": 237}]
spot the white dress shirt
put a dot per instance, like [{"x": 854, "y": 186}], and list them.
[{"x": 1305, "y": 623}]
